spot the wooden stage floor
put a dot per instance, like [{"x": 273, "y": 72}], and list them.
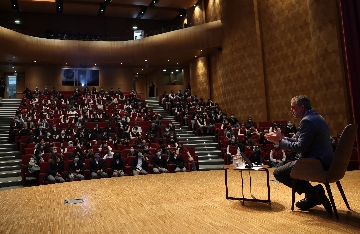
[{"x": 171, "y": 203}]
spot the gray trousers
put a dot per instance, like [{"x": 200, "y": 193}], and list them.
[
  {"x": 177, "y": 169},
  {"x": 94, "y": 175},
  {"x": 52, "y": 179},
  {"x": 142, "y": 172},
  {"x": 118, "y": 174},
  {"x": 76, "y": 175},
  {"x": 158, "y": 170}
]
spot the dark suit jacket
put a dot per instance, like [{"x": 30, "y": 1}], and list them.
[
  {"x": 56, "y": 168},
  {"x": 73, "y": 168},
  {"x": 157, "y": 162},
  {"x": 312, "y": 139},
  {"x": 117, "y": 166},
  {"x": 94, "y": 166},
  {"x": 144, "y": 163}
]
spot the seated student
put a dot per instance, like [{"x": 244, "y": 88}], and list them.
[
  {"x": 117, "y": 165},
  {"x": 109, "y": 153},
  {"x": 139, "y": 165},
  {"x": 98, "y": 167},
  {"x": 34, "y": 164},
  {"x": 177, "y": 160},
  {"x": 277, "y": 157},
  {"x": 55, "y": 169},
  {"x": 183, "y": 150},
  {"x": 256, "y": 156},
  {"x": 76, "y": 169},
  {"x": 232, "y": 150},
  {"x": 159, "y": 163}
]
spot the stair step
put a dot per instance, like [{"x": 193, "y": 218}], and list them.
[
  {"x": 10, "y": 181},
  {"x": 13, "y": 162},
  {"x": 6, "y": 174}
]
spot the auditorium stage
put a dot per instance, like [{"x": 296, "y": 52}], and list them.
[{"x": 191, "y": 202}]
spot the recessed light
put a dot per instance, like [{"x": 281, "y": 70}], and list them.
[
  {"x": 177, "y": 63},
  {"x": 95, "y": 64},
  {"x": 137, "y": 72},
  {"x": 164, "y": 70},
  {"x": 66, "y": 63},
  {"x": 172, "y": 72},
  {"x": 195, "y": 56},
  {"x": 15, "y": 71},
  {"x": 12, "y": 67},
  {"x": 200, "y": 50},
  {"x": 145, "y": 60},
  {"x": 180, "y": 15},
  {"x": 177, "y": 70},
  {"x": 120, "y": 63},
  {"x": 134, "y": 27},
  {"x": 34, "y": 61},
  {"x": 168, "y": 60},
  {"x": 142, "y": 69},
  {"x": 17, "y": 21}
]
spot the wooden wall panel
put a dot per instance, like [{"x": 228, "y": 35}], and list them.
[
  {"x": 199, "y": 82},
  {"x": 237, "y": 71},
  {"x": 325, "y": 34}
]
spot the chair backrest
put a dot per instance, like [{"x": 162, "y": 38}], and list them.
[{"x": 342, "y": 154}]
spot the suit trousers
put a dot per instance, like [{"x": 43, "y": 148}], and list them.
[{"x": 282, "y": 174}]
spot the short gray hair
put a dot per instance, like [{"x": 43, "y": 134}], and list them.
[{"x": 302, "y": 100}]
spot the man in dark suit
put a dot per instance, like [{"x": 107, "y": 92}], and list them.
[
  {"x": 312, "y": 140},
  {"x": 98, "y": 167}
]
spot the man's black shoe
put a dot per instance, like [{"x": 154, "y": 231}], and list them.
[
  {"x": 321, "y": 196},
  {"x": 307, "y": 203}
]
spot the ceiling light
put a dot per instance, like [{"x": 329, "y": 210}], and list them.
[
  {"x": 200, "y": 50},
  {"x": 177, "y": 70},
  {"x": 164, "y": 70},
  {"x": 177, "y": 63},
  {"x": 195, "y": 56},
  {"x": 12, "y": 67},
  {"x": 35, "y": 61},
  {"x": 172, "y": 72},
  {"x": 134, "y": 27},
  {"x": 95, "y": 64},
  {"x": 145, "y": 60},
  {"x": 168, "y": 60},
  {"x": 137, "y": 72},
  {"x": 142, "y": 69},
  {"x": 66, "y": 63},
  {"x": 181, "y": 15},
  {"x": 120, "y": 63},
  {"x": 15, "y": 71},
  {"x": 17, "y": 21}
]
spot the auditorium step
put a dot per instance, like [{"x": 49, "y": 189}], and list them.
[
  {"x": 205, "y": 146},
  {"x": 10, "y": 159}
]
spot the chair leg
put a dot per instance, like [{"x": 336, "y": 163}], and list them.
[
  {"x": 293, "y": 191},
  {"x": 342, "y": 194},
  {"x": 328, "y": 189}
]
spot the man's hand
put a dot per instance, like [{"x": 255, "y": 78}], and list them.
[
  {"x": 78, "y": 170},
  {"x": 274, "y": 137}
]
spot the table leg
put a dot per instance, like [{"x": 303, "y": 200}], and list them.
[
  {"x": 226, "y": 186},
  {"x": 242, "y": 187}
]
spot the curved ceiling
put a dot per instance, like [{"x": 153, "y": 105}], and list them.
[{"x": 163, "y": 9}]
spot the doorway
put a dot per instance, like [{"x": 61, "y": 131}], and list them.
[{"x": 11, "y": 87}]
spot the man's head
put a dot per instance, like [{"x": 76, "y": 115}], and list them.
[{"x": 299, "y": 106}]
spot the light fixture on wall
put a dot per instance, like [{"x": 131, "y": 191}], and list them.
[
  {"x": 142, "y": 12},
  {"x": 153, "y": 3},
  {"x": 102, "y": 8},
  {"x": 15, "y": 6},
  {"x": 59, "y": 6}
]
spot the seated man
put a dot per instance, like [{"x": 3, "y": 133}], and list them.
[
  {"x": 55, "y": 169},
  {"x": 183, "y": 150},
  {"x": 117, "y": 166},
  {"x": 98, "y": 167},
  {"x": 139, "y": 165},
  {"x": 277, "y": 157},
  {"x": 312, "y": 140},
  {"x": 159, "y": 163},
  {"x": 177, "y": 160},
  {"x": 76, "y": 169}
]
